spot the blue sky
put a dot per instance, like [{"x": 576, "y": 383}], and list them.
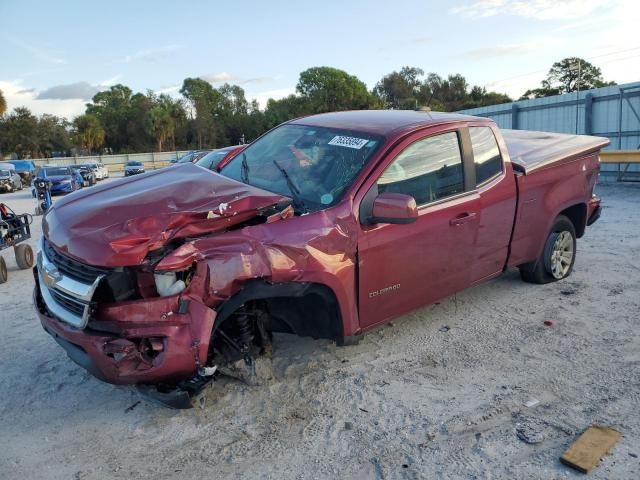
[{"x": 55, "y": 55}]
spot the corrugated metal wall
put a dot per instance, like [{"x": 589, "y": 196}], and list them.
[{"x": 612, "y": 112}]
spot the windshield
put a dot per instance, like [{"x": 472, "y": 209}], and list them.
[
  {"x": 134, "y": 164},
  {"x": 5, "y": 173},
  {"x": 313, "y": 165},
  {"x": 211, "y": 159},
  {"x": 57, "y": 171}
]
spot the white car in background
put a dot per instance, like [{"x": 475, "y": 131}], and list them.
[
  {"x": 99, "y": 169},
  {"x": 103, "y": 172}
]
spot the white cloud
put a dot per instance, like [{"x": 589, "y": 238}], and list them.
[
  {"x": 111, "y": 81},
  {"x": 263, "y": 97},
  {"x": 168, "y": 89},
  {"x": 536, "y": 9},
  {"x": 218, "y": 77},
  {"x": 79, "y": 90},
  {"x": 19, "y": 95}
]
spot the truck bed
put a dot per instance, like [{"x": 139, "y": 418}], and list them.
[{"x": 530, "y": 151}]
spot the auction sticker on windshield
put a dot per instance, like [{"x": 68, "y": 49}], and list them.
[{"x": 349, "y": 142}]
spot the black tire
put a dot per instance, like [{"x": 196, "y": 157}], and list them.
[
  {"x": 24, "y": 256},
  {"x": 546, "y": 268},
  {"x": 3, "y": 271}
]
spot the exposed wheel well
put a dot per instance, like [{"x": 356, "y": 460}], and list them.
[
  {"x": 578, "y": 216},
  {"x": 310, "y": 309}
]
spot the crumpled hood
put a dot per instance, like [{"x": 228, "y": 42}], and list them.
[{"x": 118, "y": 223}]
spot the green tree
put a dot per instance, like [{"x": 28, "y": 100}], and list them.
[
  {"x": 112, "y": 108},
  {"x": 328, "y": 90},
  {"x": 160, "y": 125},
  {"x": 400, "y": 90},
  {"x": 139, "y": 137},
  {"x": 175, "y": 108},
  {"x": 53, "y": 135},
  {"x": 88, "y": 132},
  {"x": 20, "y": 133},
  {"x": 284, "y": 109},
  {"x": 205, "y": 101},
  {"x": 3, "y": 104},
  {"x": 569, "y": 75},
  {"x": 479, "y": 97}
]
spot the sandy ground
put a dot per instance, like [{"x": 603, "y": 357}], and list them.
[{"x": 440, "y": 393}]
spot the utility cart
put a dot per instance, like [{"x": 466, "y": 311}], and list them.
[{"x": 14, "y": 232}]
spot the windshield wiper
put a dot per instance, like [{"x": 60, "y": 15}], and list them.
[
  {"x": 295, "y": 193},
  {"x": 244, "y": 169}
]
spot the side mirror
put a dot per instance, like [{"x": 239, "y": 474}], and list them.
[{"x": 392, "y": 207}]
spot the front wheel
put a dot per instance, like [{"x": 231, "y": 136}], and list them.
[{"x": 558, "y": 256}]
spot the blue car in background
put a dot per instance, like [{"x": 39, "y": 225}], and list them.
[
  {"x": 63, "y": 179},
  {"x": 25, "y": 168}
]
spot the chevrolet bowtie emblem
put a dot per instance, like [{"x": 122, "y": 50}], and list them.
[{"x": 51, "y": 275}]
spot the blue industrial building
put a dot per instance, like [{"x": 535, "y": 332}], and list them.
[{"x": 612, "y": 112}]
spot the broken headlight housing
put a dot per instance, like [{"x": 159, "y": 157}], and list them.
[{"x": 168, "y": 283}]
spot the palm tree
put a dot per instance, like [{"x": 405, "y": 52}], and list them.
[
  {"x": 160, "y": 125},
  {"x": 89, "y": 132},
  {"x": 3, "y": 104}
]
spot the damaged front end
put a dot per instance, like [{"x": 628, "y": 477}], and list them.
[
  {"x": 166, "y": 286},
  {"x": 113, "y": 322},
  {"x": 103, "y": 293}
]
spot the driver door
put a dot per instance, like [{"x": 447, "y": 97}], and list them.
[{"x": 402, "y": 267}]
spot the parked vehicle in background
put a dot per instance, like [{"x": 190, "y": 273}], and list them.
[
  {"x": 103, "y": 172},
  {"x": 63, "y": 179},
  {"x": 9, "y": 178},
  {"x": 133, "y": 168},
  {"x": 25, "y": 168},
  {"x": 216, "y": 158},
  {"x": 327, "y": 226},
  {"x": 87, "y": 173},
  {"x": 190, "y": 157},
  {"x": 100, "y": 171}
]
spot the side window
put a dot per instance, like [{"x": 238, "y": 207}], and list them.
[
  {"x": 428, "y": 170},
  {"x": 486, "y": 153}
]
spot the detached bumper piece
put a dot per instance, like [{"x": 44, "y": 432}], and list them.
[
  {"x": 180, "y": 397},
  {"x": 594, "y": 216}
]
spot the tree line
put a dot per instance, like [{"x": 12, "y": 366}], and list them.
[{"x": 118, "y": 120}]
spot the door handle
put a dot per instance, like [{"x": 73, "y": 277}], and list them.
[{"x": 461, "y": 219}]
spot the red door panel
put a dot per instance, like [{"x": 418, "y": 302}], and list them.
[{"x": 402, "y": 267}]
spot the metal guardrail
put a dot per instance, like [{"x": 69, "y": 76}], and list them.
[{"x": 115, "y": 163}]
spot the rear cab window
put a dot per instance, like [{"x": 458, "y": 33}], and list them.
[
  {"x": 486, "y": 154},
  {"x": 429, "y": 170}
]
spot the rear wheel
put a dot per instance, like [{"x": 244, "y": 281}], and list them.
[
  {"x": 3, "y": 271},
  {"x": 558, "y": 256},
  {"x": 24, "y": 256}
]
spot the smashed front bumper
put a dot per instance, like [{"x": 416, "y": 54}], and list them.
[{"x": 159, "y": 340}]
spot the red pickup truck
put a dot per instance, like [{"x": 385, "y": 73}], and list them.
[{"x": 326, "y": 226}]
